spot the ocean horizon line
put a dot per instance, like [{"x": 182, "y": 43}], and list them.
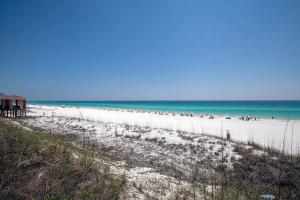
[{"x": 167, "y": 100}]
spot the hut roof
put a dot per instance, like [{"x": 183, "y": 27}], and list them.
[{"x": 13, "y": 97}]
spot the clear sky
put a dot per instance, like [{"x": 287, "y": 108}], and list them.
[{"x": 150, "y": 50}]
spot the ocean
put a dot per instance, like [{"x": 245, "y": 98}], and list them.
[{"x": 259, "y": 109}]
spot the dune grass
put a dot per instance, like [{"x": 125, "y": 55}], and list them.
[
  {"x": 37, "y": 165},
  {"x": 41, "y": 166}
]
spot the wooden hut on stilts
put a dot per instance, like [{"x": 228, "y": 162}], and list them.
[{"x": 13, "y": 106}]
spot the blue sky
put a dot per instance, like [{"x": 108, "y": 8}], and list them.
[{"x": 150, "y": 50}]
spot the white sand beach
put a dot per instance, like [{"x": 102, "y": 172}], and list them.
[
  {"x": 278, "y": 134},
  {"x": 161, "y": 152}
]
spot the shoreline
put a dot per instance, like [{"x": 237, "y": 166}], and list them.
[
  {"x": 187, "y": 114},
  {"x": 258, "y": 109},
  {"x": 265, "y": 132}
]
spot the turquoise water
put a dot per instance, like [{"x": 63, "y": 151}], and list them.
[{"x": 260, "y": 109}]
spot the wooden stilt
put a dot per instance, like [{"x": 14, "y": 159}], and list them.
[{"x": 12, "y": 112}]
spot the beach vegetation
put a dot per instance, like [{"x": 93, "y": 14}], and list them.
[{"x": 41, "y": 166}]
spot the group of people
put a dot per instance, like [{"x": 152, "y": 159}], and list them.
[
  {"x": 247, "y": 118},
  {"x": 186, "y": 114}
]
